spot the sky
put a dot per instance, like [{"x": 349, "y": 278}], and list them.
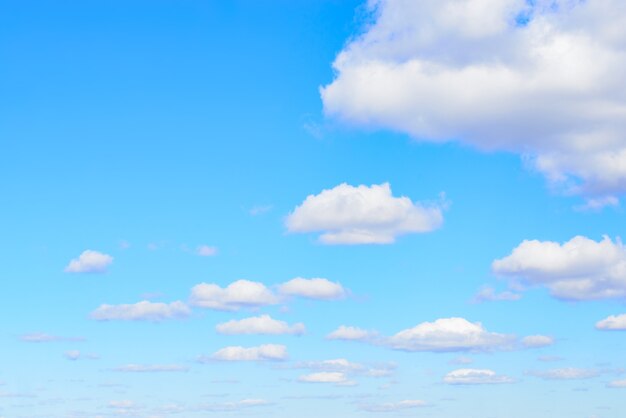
[{"x": 396, "y": 208}]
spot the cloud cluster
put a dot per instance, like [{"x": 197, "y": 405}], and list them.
[
  {"x": 363, "y": 214},
  {"x": 579, "y": 269},
  {"x": 141, "y": 311},
  {"x": 89, "y": 262},
  {"x": 248, "y": 294},
  {"x": 541, "y": 78},
  {"x": 263, "y": 324},
  {"x": 475, "y": 377},
  {"x": 266, "y": 352}
]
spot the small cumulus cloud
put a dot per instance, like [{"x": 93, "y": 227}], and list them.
[
  {"x": 348, "y": 333},
  {"x": 237, "y": 295},
  {"x": 337, "y": 378},
  {"x": 141, "y": 311},
  {"x": 612, "y": 323},
  {"x": 363, "y": 214},
  {"x": 537, "y": 341},
  {"x": 266, "y": 352},
  {"x": 316, "y": 288},
  {"x": 476, "y": 377},
  {"x": 262, "y": 325},
  {"x": 89, "y": 261}
]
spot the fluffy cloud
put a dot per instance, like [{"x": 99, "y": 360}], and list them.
[
  {"x": 475, "y": 377},
  {"x": 150, "y": 368},
  {"x": 337, "y": 378},
  {"x": 267, "y": 352},
  {"x": 537, "y": 341},
  {"x": 541, "y": 78},
  {"x": 351, "y": 334},
  {"x": 488, "y": 294},
  {"x": 237, "y": 295},
  {"x": 89, "y": 262},
  {"x": 449, "y": 335},
  {"x": 613, "y": 322},
  {"x": 141, "y": 311},
  {"x": 580, "y": 269},
  {"x": 567, "y": 373},
  {"x": 362, "y": 215},
  {"x": 394, "y": 406},
  {"x": 263, "y": 324},
  {"x": 316, "y": 288}
]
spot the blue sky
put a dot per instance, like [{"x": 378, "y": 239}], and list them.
[{"x": 277, "y": 208}]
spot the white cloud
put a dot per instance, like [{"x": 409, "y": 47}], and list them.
[
  {"x": 123, "y": 406},
  {"x": 263, "y": 324},
  {"x": 394, "y": 406},
  {"x": 325, "y": 377},
  {"x": 613, "y": 322},
  {"x": 266, "y": 352},
  {"x": 550, "y": 89},
  {"x": 537, "y": 341},
  {"x": 567, "y": 373},
  {"x": 316, "y": 288},
  {"x": 234, "y": 406},
  {"x": 40, "y": 337},
  {"x": 362, "y": 215},
  {"x": 449, "y": 335},
  {"x": 141, "y": 311},
  {"x": 617, "y": 384},
  {"x": 348, "y": 368},
  {"x": 580, "y": 269},
  {"x": 89, "y": 262},
  {"x": 72, "y": 355},
  {"x": 237, "y": 295},
  {"x": 206, "y": 251},
  {"x": 351, "y": 334},
  {"x": 489, "y": 294},
  {"x": 475, "y": 377},
  {"x": 150, "y": 368},
  {"x": 597, "y": 204}
]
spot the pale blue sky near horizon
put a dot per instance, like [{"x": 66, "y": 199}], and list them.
[{"x": 146, "y": 129}]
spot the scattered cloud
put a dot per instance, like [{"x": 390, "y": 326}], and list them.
[
  {"x": 449, "y": 335},
  {"x": 39, "y": 337},
  {"x": 393, "y": 406},
  {"x": 237, "y": 295},
  {"x": 579, "y": 269},
  {"x": 266, "y": 352},
  {"x": 567, "y": 373},
  {"x": 337, "y": 378},
  {"x": 150, "y": 368},
  {"x": 597, "y": 204},
  {"x": 352, "y": 334},
  {"x": 489, "y": 294},
  {"x": 316, "y": 288},
  {"x": 89, "y": 262},
  {"x": 72, "y": 355},
  {"x": 613, "y": 323},
  {"x": 141, "y": 311},
  {"x": 472, "y": 72},
  {"x": 234, "y": 406},
  {"x": 461, "y": 360},
  {"x": 263, "y": 324},
  {"x": 348, "y": 368},
  {"x": 475, "y": 377},
  {"x": 206, "y": 251},
  {"x": 362, "y": 215},
  {"x": 259, "y": 209},
  {"x": 617, "y": 384},
  {"x": 537, "y": 341}
]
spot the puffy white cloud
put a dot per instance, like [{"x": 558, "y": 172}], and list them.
[
  {"x": 141, "y": 311},
  {"x": 489, "y": 294},
  {"x": 150, "y": 368},
  {"x": 351, "y": 334},
  {"x": 394, "y": 406},
  {"x": 617, "y": 384},
  {"x": 537, "y": 341},
  {"x": 475, "y": 377},
  {"x": 316, "y": 288},
  {"x": 206, "y": 251},
  {"x": 325, "y": 377},
  {"x": 362, "y": 215},
  {"x": 89, "y": 262},
  {"x": 579, "y": 269},
  {"x": 543, "y": 79},
  {"x": 237, "y": 295},
  {"x": 40, "y": 337},
  {"x": 567, "y": 373},
  {"x": 449, "y": 335},
  {"x": 263, "y": 324},
  {"x": 613, "y": 322},
  {"x": 269, "y": 352}
]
